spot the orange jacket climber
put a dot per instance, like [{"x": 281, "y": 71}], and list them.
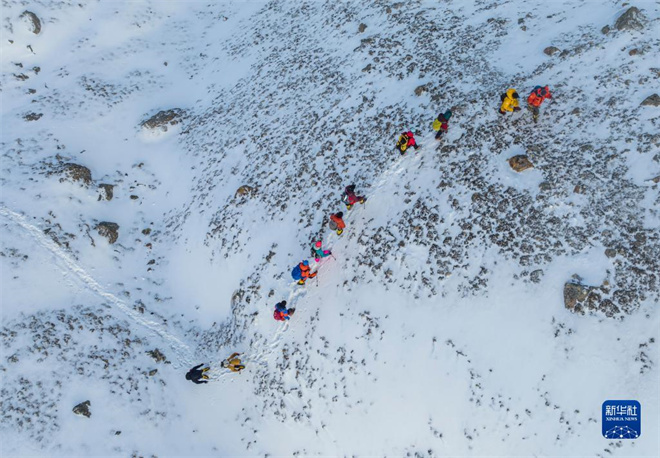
[{"x": 337, "y": 223}]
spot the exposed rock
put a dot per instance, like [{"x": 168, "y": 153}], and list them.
[
  {"x": 579, "y": 189},
  {"x": 33, "y": 21},
  {"x": 33, "y": 116},
  {"x": 83, "y": 409},
  {"x": 605, "y": 30},
  {"x": 656, "y": 179},
  {"x": 520, "y": 163},
  {"x": 76, "y": 172},
  {"x": 157, "y": 355},
  {"x": 163, "y": 119},
  {"x": 362, "y": 28},
  {"x": 107, "y": 191},
  {"x": 651, "y": 101},
  {"x": 246, "y": 190},
  {"x": 368, "y": 68},
  {"x": 632, "y": 19},
  {"x": 146, "y": 231},
  {"x": 419, "y": 90},
  {"x": 108, "y": 230},
  {"x": 576, "y": 111},
  {"x": 551, "y": 50},
  {"x": 153, "y": 372},
  {"x": 610, "y": 252},
  {"x": 633, "y": 52},
  {"x": 574, "y": 294},
  {"x": 535, "y": 275}
]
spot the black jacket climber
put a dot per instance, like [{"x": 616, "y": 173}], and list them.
[{"x": 196, "y": 374}]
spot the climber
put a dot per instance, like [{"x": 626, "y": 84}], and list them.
[
  {"x": 441, "y": 124},
  {"x": 509, "y": 101},
  {"x": 301, "y": 272},
  {"x": 349, "y": 198},
  {"x": 337, "y": 223},
  {"x": 318, "y": 252},
  {"x": 281, "y": 313},
  {"x": 406, "y": 140},
  {"x": 536, "y": 98},
  {"x": 233, "y": 363},
  {"x": 196, "y": 375}
]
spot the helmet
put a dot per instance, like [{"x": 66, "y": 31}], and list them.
[
  {"x": 515, "y": 95},
  {"x": 447, "y": 114},
  {"x": 283, "y": 303},
  {"x": 318, "y": 244},
  {"x": 305, "y": 262},
  {"x": 340, "y": 214},
  {"x": 409, "y": 133}
]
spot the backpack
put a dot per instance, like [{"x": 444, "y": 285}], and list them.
[
  {"x": 502, "y": 97},
  {"x": 296, "y": 273},
  {"x": 279, "y": 316}
]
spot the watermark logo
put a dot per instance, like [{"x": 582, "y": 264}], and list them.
[{"x": 622, "y": 419}]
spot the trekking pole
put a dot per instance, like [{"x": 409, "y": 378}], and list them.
[{"x": 333, "y": 256}]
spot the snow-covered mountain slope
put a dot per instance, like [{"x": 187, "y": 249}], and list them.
[{"x": 468, "y": 310}]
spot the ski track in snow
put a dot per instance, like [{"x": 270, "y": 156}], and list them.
[{"x": 181, "y": 350}]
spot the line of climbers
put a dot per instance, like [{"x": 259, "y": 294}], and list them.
[{"x": 302, "y": 271}]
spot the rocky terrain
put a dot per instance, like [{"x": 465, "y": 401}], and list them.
[{"x": 159, "y": 184}]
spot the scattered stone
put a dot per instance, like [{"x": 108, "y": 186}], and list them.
[
  {"x": 146, "y": 231},
  {"x": 33, "y": 116},
  {"x": 76, "y": 172},
  {"x": 33, "y": 20},
  {"x": 362, "y": 28},
  {"x": 117, "y": 433},
  {"x": 151, "y": 262},
  {"x": 163, "y": 119},
  {"x": 21, "y": 77},
  {"x": 656, "y": 179},
  {"x": 632, "y": 19},
  {"x": 605, "y": 30},
  {"x": 610, "y": 252},
  {"x": 652, "y": 101},
  {"x": 108, "y": 230},
  {"x": 157, "y": 355},
  {"x": 134, "y": 197},
  {"x": 246, "y": 190},
  {"x": 520, "y": 163},
  {"x": 368, "y": 68},
  {"x": 419, "y": 90},
  {"x": 536, "y": 275},
  {"x": 579, "y": 189},
  {"x": 633, "y": 52},
  {"x": 551, "y": 50},
  {"x": 107, "y": 192},
  {"x": 153, "y": 372},
  {"x": 83, "y": 409},
  {"x": 574, "y": 293},
  {"x": 576, "y": 111}
]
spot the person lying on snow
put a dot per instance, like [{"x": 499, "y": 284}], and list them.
[{"x": 196, "y": 374}]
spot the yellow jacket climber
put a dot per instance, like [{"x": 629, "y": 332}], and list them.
[
  {"x": 509, "y": 101},
  {"x": 233, "y": 363}
]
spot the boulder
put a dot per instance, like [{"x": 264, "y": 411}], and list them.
[
  {"x": 652, "y": 101},
  {"x": 163, "y": 119},
  {"x": 551, "y": 50},
  {"x": 76, "y": 172},
  {"x": 574, "y": 294},
  {"x": 33, "y": 21},
  {"x": 362, "y": 28},
  {"x": 107, "y": 191},
  {"x": 246, "y": 190},
  {"x": 108, "y": 230},
  {"x": 157, "y": 355},
  {"x": 419, "y": 90},
  {"x": 83, "y": 409},
  {"x": 520, "y": 163},
  {"x": 632, "y": 19},
  {"x": 33, "y": 116}
]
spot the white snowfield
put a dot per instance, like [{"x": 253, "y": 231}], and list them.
[{"x": 438, "y": 327}]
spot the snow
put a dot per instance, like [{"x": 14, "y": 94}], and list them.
[{"x": 428, "y": 333}]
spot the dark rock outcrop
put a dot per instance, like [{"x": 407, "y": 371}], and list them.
[
  {"x": 652, "y": 101},
  {"x": 108, "y": 230},
  {"x": 107, "y": 191},
  {"x": 34, "y": 21},
  {"x": 632, "y": 19},
  {"x": 76, "y": 172},
  {"x": 163, "y": 119},
  {"x": 83, "y": 409}
]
